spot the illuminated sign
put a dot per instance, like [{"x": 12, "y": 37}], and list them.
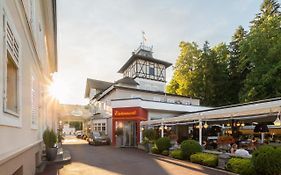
[
  {"x": 133, "y": 113},
  {"x": 125, "y": 113}
]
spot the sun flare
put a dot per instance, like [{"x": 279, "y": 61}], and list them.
[{"x": 56, "y": 89}]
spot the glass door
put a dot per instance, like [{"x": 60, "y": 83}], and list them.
[{"x": 129, "y": 134}]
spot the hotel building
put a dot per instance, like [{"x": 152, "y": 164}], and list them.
[{"x": 138, "y": 96}]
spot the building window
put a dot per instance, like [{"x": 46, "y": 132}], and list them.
[
  {"x": 151, "y": 71},
  {"x": 11, "y": 92},
  {"x": 100, "y": 127},
  {"x": 12, "y": 85}
]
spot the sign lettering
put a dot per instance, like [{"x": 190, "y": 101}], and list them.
[{"x": 125, "y": 113}]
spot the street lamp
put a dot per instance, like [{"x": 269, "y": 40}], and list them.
[{"x": 205, "y": 125}]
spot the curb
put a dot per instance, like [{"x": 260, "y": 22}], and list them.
[{"x": 183, "y": 161}]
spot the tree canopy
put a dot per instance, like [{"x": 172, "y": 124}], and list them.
[{"x": 246, "y": 69}]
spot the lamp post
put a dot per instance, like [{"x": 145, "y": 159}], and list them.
[
  {"x": 200, "y": 131},
  {"x": 162, "y": 128}
]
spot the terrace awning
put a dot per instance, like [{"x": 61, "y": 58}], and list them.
[{"x": 257, "y": 110}]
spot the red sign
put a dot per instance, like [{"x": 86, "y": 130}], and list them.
[
  {"x": 125, "y": 113},
  {"x": 135, "y": 113}
]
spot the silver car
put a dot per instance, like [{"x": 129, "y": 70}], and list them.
[{"x": 98, "y": 138}]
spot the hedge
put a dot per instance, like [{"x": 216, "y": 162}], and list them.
[
  {"x": 267, "y": 160},
  {"x": 190, "y": 147},
  {"x": 240, "y": 166},
  {"x": 165, "y": 153},
  {"x": 155, "y": 150},
  {"x": 205, "y": 159},
  {"x": 177, "y": 154},
  {"x": 163, "y": 144}
]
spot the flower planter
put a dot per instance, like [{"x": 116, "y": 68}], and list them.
[
  {"x": 51, "y": 153},
  {"x": 148, "y": 147},
  {"x": 119, "y": 140}
]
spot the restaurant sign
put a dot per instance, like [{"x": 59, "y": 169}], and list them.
[
  {"x": 125, "y": 113},
  {"x": 135, "y": 113}
]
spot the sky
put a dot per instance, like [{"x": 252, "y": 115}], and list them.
[{"x": 96, "y": 37}]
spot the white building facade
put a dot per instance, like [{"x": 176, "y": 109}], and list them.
[
  {"x": 28, "y": 57},
  {"x": 139, "y": 96}
]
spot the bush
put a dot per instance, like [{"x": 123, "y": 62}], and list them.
[
  {"x": 267, "y": 160},
  {"x": 49, "y": 138},
  {"x": 155, "y": 150},
  {"x": 205, "y": 159},
  {"x": 177, "y": 154},
  {"x": 240, "y": 166},
  {"x": 163, "y": 144},
  {"x": 150, "y": 134},
  {"x": 165, "y": 153},
  {"x": 190, "y": 147}
]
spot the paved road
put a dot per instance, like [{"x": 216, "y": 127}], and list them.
[{"x": 107, "y": 160}]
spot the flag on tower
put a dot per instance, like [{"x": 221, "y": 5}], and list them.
[{"x": 144, "y": 36}]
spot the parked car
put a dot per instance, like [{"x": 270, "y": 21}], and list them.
[
  {"x": 79, "y": 134},
  {"x": 98, "y": 138}
]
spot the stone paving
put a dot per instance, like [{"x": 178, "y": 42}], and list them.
[{"x": 108, "y": 160}]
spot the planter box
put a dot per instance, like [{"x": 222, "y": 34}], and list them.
[
  {"x": 119, "y": 141},
  {"x": 51, "y": 153}
]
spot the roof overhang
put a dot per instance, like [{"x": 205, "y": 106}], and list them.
[{"x": 239, "y": 111}]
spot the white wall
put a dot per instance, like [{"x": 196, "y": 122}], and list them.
[{"x": 17, "y": 133}]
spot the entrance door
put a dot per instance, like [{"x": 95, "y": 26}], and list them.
[{"x": 129, "y": 133}]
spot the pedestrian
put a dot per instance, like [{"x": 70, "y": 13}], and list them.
[{"x": 233, "y": 148}]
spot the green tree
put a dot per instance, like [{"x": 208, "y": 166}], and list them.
[
  {"x": 236, "y": 75},
  {"x": 201, "y": 73},
  {"x": 261, "y": 55},
  {"x": 211, "y": 76},
  {"x": 184, "y": 69}
]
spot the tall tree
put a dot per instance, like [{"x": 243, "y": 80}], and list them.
[
  {"x": 261, "y": 53},
  {"x": 201, "y": 73},
  {"x": 184, "y": 69},
  {"x": 236, "y": 75}
]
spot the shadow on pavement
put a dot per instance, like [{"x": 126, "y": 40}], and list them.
[{"x": 109, "y": 160}]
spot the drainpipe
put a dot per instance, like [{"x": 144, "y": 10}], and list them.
[{"x": 200, "y": 131}]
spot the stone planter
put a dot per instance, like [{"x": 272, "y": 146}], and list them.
[
  {"x": 174, "y": 145},
  {"x": 223, "y": 159},
  {"x": 148, "y": 147},
  {"x": 51, "y": 153},
  {"x": 119, "y": 140}
]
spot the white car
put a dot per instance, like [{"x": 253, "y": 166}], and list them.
[{"x": 79, "y": 134}]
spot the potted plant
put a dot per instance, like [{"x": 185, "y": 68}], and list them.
[
  {"x": 149, "y": 136},
  {"x": 224, "y": 143},
  {"x": 50, "y": 140},
  {"x": 173, "y": 140},
  {"x": 119, "y": 134}
]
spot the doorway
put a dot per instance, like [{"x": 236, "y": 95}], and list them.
[{"x": 129, "y": 134}]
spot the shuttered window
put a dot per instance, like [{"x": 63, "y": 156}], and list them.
[{"x": 12, "y": 52}]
